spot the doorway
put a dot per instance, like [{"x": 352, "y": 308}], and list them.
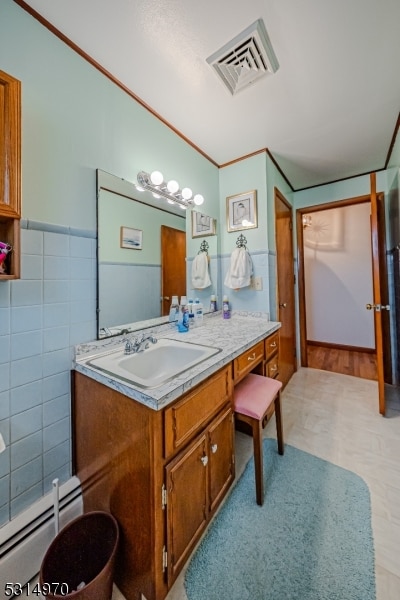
[
  {"x": 173, "y": 266},
  {"x": 346, "y": 344}
]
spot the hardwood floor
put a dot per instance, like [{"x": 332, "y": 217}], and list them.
[{"x": 347, "y": 362}]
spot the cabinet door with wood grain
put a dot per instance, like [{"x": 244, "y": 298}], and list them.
[
  {"x": 187, "y": 501},
  {"x": 221, "y": 454}
]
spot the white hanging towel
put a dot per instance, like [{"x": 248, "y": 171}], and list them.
[
  {"x": 240, "y": 269},
  {"x": 200, "y": 276}
]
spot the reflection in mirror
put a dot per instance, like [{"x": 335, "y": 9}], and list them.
[{"x": 141, "y": 244}]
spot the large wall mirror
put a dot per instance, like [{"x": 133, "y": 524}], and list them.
[{"x": 141, "y": 240}]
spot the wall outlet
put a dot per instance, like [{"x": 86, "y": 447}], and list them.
[{"x": 256, "y": 284}]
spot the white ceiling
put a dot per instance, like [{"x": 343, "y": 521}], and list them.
[{"x": 328, "y": 113}]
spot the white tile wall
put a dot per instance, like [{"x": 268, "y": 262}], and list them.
[{"x": 42, "y": 316}]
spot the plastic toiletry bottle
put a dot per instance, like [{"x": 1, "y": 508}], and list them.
[
  {"x": 191, "y": 313},
  {"x": 198, "y": 313},
  {"x": 226, "y": 309},
  {"x": 213, "y": 303},
  {"x": 183, "y": 319},
  {"x": 173, "y": 311}
]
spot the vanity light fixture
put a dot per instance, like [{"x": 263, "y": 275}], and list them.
[{"x": 154, "y": 182}]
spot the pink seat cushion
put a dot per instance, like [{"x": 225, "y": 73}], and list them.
[{"x": 254, "y": 394}]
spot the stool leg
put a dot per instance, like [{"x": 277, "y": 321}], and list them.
[
  {"x": 278, "y": 419},
  {"x": 258, "y": 461}
]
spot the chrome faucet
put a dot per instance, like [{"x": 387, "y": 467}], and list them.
[{"x": 139, "y": 345}]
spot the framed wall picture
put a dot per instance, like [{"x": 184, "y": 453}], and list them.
[
  {"x": 202, "y": 225},
  {"x": 241, "y": 211},
  {"x": 131, "y": 238}
]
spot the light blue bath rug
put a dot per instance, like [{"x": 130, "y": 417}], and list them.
[{"x": 311, "y": 540}]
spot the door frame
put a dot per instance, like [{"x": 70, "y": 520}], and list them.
[{"x": 300, "y": 253}]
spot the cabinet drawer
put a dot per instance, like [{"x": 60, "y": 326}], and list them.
[
  {"x": 272, "y": 367},
  {"x": 246, "y": 362},
  {"x": 271, "y": 345},
  {"x": 186, "y": 417}
]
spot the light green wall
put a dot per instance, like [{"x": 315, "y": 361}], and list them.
[
  {"x": 275, "y": 180},
  {"x": 395, "y": 157},
  {"x": 116, "y": 211},
  {"x": 243, "y": 176},
  {"x": 75, "y": 120}
]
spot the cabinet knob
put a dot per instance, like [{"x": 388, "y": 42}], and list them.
[
  {"x": 204, "y": 460},
  {"x": 214, "y": 448},
  {"x": 272, "y": 345},
  {"x": 252, "y": 357}
]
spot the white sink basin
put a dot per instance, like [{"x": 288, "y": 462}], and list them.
[{"x": 154, "y": 366}]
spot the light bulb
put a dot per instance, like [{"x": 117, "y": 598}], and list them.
[
  {"x": 198, "y": 199},
  {"x": 156, "y": 178},
  {"x": 186, "y": 193},
  {"x": 173, "y": 186}
]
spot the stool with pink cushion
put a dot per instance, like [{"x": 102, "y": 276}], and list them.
[{"x": 256, "y": 398}]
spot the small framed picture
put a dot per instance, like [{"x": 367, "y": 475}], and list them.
[
  {"x": 241, "y": 211},
  {"x": 131, "y": 238},
  {"x": 202, "y": 225}
]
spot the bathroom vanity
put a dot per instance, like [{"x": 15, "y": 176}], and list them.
[{"x": 161, "y": 459}]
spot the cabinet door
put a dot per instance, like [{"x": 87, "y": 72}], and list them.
[
  {"x": 186, "y": 480},
  {"x": 10, "y": 146},
  {"x": 221, "y": 455}
]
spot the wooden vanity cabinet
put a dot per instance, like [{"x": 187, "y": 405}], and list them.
[
  {"x": 162, "y": 474},
  {"x": 248, "y": 361},
  {"x": 271, "y": 365}
]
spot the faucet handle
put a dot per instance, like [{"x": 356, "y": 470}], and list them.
[{"x": 128, "y": 347}]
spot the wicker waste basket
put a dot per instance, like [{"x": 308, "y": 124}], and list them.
[{"x": 81, "y": 559}]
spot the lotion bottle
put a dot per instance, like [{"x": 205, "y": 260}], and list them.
[
  {"x": 213, "y": 303},
  {"x": 226, "y": 309},
  {"x": 198, "y": 313}
]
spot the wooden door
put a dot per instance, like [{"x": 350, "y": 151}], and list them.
[
  {"x": 221, "y": 453},
  {"x": 173, "y": 266},
  {"x": 285, "y": 287},
  {"x": 379, "y": 305},
  {"x": 187, "y": 514}
]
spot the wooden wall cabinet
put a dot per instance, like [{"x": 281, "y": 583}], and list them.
[{"x": 10, "y": 171}]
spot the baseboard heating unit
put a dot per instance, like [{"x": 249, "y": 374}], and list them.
[{"x": 25, "y": 539}]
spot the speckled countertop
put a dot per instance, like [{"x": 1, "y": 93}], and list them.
[{"x": 234, "y": 336}]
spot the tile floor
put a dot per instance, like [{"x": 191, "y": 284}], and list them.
[{"x": 336, "y": 417}]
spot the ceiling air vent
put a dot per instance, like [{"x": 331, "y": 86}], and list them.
[{"x": 245, "y": 59}]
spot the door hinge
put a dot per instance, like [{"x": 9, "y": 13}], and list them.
[
  {"x": 164, "y": 559},
  {"x": 163, "y": 496}
]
